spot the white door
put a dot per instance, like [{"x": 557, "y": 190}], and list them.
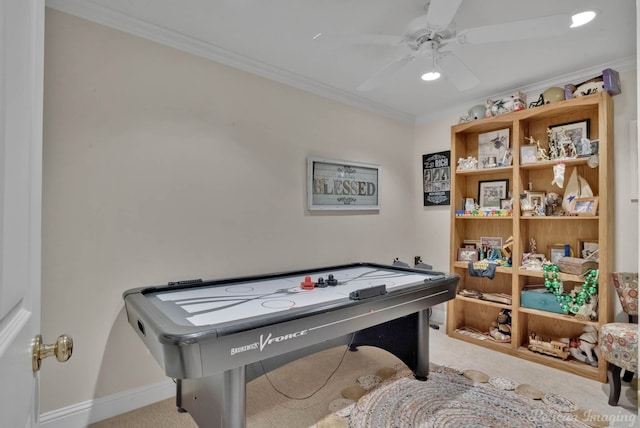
[{"x": 21, "y": 82}]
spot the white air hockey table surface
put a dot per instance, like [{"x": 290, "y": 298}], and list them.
[{"x": 224, "y": 303}]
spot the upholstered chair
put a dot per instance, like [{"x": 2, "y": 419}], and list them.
[{"x": 618, "y": 342}]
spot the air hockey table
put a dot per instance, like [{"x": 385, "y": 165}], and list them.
[{"x": 214, "y": 336}]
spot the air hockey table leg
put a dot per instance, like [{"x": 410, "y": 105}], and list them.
[
  {"x": 422, "y": 366},
  {"x": 217, "y": 401}
]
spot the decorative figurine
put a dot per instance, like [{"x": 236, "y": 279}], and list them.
[
  {"x": 554, "y": 200},
  {"x": 553, "y": 95},
  {"x": 489, "y": 108},
  {"x": 554, "y": 347},
  {"x": 558, "y": 174},
  {"x": 467, "y": 163},
  {"x": 515, "y": 102},
  {"x": 538, "y": 208},
  {"x": 507, "y": 159},
  {"x": 476, "y": 112},
  {"x": 567, "y": 143},
  {"x": 582, "y": 348},
  {"x": 560, "y": 145},
  {"x": 501, "y": 329},
  {"x": 526, "y": 207},
  {"x": 584, "y": 147},
  {"x": 539, "y": 102},
  {"x": 553, "y": 146},
  {"x": 541, "y": 153},
  {"x": 564, "y": 146},
  {"x": 519, "y": 101}
]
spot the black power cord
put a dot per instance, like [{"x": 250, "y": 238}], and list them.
[{"x": 284, "y": 394}]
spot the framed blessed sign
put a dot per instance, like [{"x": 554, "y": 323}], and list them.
[{"x": 342, "y": 185}]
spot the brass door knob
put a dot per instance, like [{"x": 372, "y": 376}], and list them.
[{"x": 62, "y": 349}]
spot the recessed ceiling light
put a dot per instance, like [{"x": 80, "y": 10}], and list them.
[
  {"x": 432, "y": 75},
  {"x": 582, "y": 18}
]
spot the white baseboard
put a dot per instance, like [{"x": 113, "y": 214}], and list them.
[{"x": 83, "y": 414}]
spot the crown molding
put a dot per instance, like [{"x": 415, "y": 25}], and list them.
[{"x": 108, "y": 17}]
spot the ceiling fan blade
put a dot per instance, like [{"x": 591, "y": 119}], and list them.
[
  {"x": 384, "y": 73},
  {"x": 417, "y": 24},
  {"x": 546, "y": 26},
  {"x": 360, "y": 39},
  {"x": 440, "y": 13},
  {"x": 376, "y": 39},
  {"x": 457, "y": 72}
]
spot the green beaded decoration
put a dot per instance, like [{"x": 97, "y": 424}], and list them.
[{"x": 569, "y": 303}]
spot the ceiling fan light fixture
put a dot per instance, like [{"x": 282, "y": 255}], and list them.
[
  {"x": 432, "y": 75},
  {"x": 582, "y": 18}
]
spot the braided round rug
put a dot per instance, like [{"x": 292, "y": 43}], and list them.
[{"x": 449, "y": 399}]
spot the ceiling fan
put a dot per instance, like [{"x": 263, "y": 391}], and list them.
[{"x": 430, "y": 37}]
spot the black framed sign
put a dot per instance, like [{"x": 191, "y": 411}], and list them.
[
  {"x": 342, "y": 185},
  {"x": 436, "y": 177}
]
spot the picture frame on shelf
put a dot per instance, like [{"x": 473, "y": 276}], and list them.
[
  {"x": 587, "y": 248},
  {"x": 471, "y": 243},
  {"x": 574, "y": 130},
  {"x": 556, "y": 252},
  {"x": 541, "y": 258},
  {"x": 528, "y": 154},
  {"x": 507, "y": 160},
  {"x": 587, "y": 207},
  {"x": 505, "y": 204},
  {"x": 507, "y": 248},
  {"x": 490, "y": 192},
  {"x": 583, "y": 148},
  {"x": 467, "y": 254},
  {"x": 492, "y": 147},
  {"x": 488, "y": 243},
  {"x": 537, "y": 201}
]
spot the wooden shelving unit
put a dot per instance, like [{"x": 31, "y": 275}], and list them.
[{"x": 474, "y": 314}]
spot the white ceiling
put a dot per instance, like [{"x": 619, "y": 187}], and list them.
[{"x": 275, "y": 39}]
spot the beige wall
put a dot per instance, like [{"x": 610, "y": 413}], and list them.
[
  {"x": 163, "y": 166},
  {"x": 432, "y": 222}
]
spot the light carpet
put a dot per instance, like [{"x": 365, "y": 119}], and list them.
[{"x": 267, "y": 408}]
